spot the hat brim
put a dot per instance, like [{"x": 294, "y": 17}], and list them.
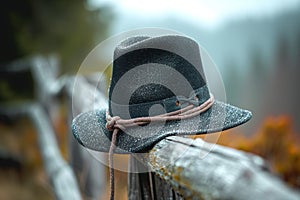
[{"x": 89, "y": 128}]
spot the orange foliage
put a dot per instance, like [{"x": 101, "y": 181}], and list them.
[
  {"x": 276, "y": 142},
  {"x": 20, "y": 139}
]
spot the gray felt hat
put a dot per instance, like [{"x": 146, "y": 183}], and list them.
[{"x": 151, "y": 76}]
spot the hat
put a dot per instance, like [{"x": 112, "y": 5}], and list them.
[{"x": 155, "y": 77}]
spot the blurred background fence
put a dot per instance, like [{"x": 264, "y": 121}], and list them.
[{"x": 41, "y": 112}]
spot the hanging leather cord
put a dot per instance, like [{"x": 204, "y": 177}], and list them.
[{"x": 116, "y": 123}]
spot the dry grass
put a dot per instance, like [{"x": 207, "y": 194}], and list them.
[{"x": 25, "y": 187}]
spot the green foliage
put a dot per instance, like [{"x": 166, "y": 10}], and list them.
[
  {"x": 64, "y": 27},
  {"x": 16, "y": 87}
]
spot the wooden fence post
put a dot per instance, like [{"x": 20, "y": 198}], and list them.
[
  {"x": 85, "y": 98},
  {"x": 146, "y": 184}
]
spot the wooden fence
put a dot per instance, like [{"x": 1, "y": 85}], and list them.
[{"x": 181, "y": 168}]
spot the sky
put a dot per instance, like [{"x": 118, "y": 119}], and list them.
[{"x": 207, "y": 13}]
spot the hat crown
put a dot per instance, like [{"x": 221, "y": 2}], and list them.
[{"x": 148, "y": 70}]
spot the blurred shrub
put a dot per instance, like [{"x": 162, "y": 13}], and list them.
[
  {"x": 67, "y": 28},
  {"x": 276, "y": 142}
]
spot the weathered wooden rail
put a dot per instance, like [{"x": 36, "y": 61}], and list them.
[
  {"x": 199, "y": 171},
  {"x": 185, "y": 168},
  {"x": 181, "y": 168}
]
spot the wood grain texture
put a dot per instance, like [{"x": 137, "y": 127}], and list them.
[
  {"x": 147, "y": 185},
  {"x": 197, "y": 170}
]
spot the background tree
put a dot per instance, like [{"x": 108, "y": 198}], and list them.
[{"x": 67, "y": 28}]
